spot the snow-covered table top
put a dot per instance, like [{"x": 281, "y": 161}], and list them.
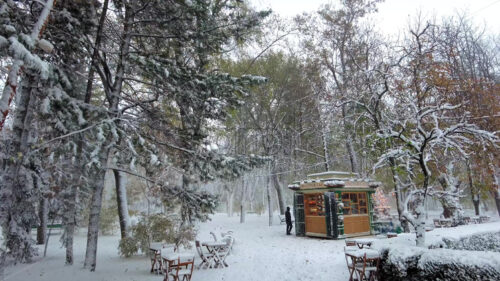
[
  {"x": 156, "y": 246},
  {"x": 350, "y": 248},
  {"x": 214, "y": 243},
  {"x": 176, "y": 256},
  {"x": 364, "y": 241},
  {"x": 370, "y": 253}
]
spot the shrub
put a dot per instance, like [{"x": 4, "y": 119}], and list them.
[
  {"x": 489, "y": 241},
  {"x": 419, "y": 264},
  {"x": 128, "y": 247},
  {"x": 156, "y": 228}
]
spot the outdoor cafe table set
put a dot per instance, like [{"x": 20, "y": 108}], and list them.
[
  {"x": 164, "y": 256},
  {"x": 361, "y": 259}
]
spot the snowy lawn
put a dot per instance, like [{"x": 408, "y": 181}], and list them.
[{"x": 260, "y": 253}]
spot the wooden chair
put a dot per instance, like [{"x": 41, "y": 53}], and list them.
[
  {"x": 229, "y": 232},
  {"x": 155, "y": 258},
  {"x": 229, "y": 242},
  {"x": 350, "y": 243},
  {"x": 183, "y": 270},
  {"x": 167, "y": 249},
  {"x": 206, "y": 258},
  {"x": 226, "y": 251},
  {"x": 349, "y": 261},
  {"x": 228, "y": 235},
  {"x": 214, "y": 236},
  {"x": 367, "y": 269}
]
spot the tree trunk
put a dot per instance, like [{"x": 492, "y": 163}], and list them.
[
  {"x": 242, "y": 213},
  {"x": 496, "y": 187},
  {"x": 70, "y": 224},
  {"x": 279, "y": 193},
  {"x": 3, "y": 256},
  {"x": 420, "y": 229},
  {"x": 95, "y": 52},
  {"x": 121, "y": 198},
  {"x": 475, "y": 202},
  {"x": 324, "y": 134},
  {"x": 113, "y": 95},
  {"x": 243, "y": 199},
  {"x": 325, "y": 150},
  {"x": 94, "y": 215},
  {"x": 43, "y": 215},
  {"x": 473, "y": 191},
  {"x": 269, "y": 202},
  {"x": 231, "y": 200},
  {"x": 352, "y": 154},
  {"x": 230, "y": 203},
  {"x": 17, "y": 212},
  {"x": 185, "y": 210},
  {"x": 496, "y": 194},
  {"x": 71, "y": 214},
  {"x": 349, "y": 142},
  {"x": 399, "y": 197}
]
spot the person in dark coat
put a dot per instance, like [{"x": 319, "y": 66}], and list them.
[{"x": 288, "y": 219}]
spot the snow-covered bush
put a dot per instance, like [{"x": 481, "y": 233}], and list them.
[
  {"x": 128, "y": 246},
  {"x": 156, "y": 228},
  {"x": 489, "y": 241},
  {"x": 419, "y": 264}
]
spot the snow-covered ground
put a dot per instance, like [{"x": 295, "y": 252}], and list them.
[{"x": 260, "y": 253}]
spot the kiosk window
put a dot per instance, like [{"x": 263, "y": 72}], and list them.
[
  {"x": 315, "y": 204},
  {"x": 354, "y": 203}
]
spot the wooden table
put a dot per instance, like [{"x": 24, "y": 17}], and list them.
[
  {"x": 155, "y": 249},
  {"x": 393, "y": 234},
  {"x": 171, "y": 258},
  {"x": 357, "y": 256},
  {"x": 362, "y": 242},
  {"x": 218, "y": 249}
]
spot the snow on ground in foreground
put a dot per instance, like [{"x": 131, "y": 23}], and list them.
[{"x": 260, "y": 253}]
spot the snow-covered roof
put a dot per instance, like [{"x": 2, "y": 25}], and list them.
[
  {"x": 334, "y": 183},
  {"x": 332, "y": 174},
  {"x": 334, "y": 179}
]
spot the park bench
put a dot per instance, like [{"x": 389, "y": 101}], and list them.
[
  {"x": 283, "y": 219},
  {"x": 442, "y": 223},
  {"x": 52, "y": 227},
  {"x": 483, "y": 219}
]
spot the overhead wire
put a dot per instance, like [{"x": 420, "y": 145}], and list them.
[{"x": 486, "y": 7}]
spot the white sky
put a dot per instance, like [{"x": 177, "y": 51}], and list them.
[{"x": 393, "y": 15}]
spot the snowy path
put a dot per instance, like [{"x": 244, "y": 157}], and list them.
[{"x": 260, "y": 253}]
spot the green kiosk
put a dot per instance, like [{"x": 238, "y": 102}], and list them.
[{"x": 333, "y": 205}]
